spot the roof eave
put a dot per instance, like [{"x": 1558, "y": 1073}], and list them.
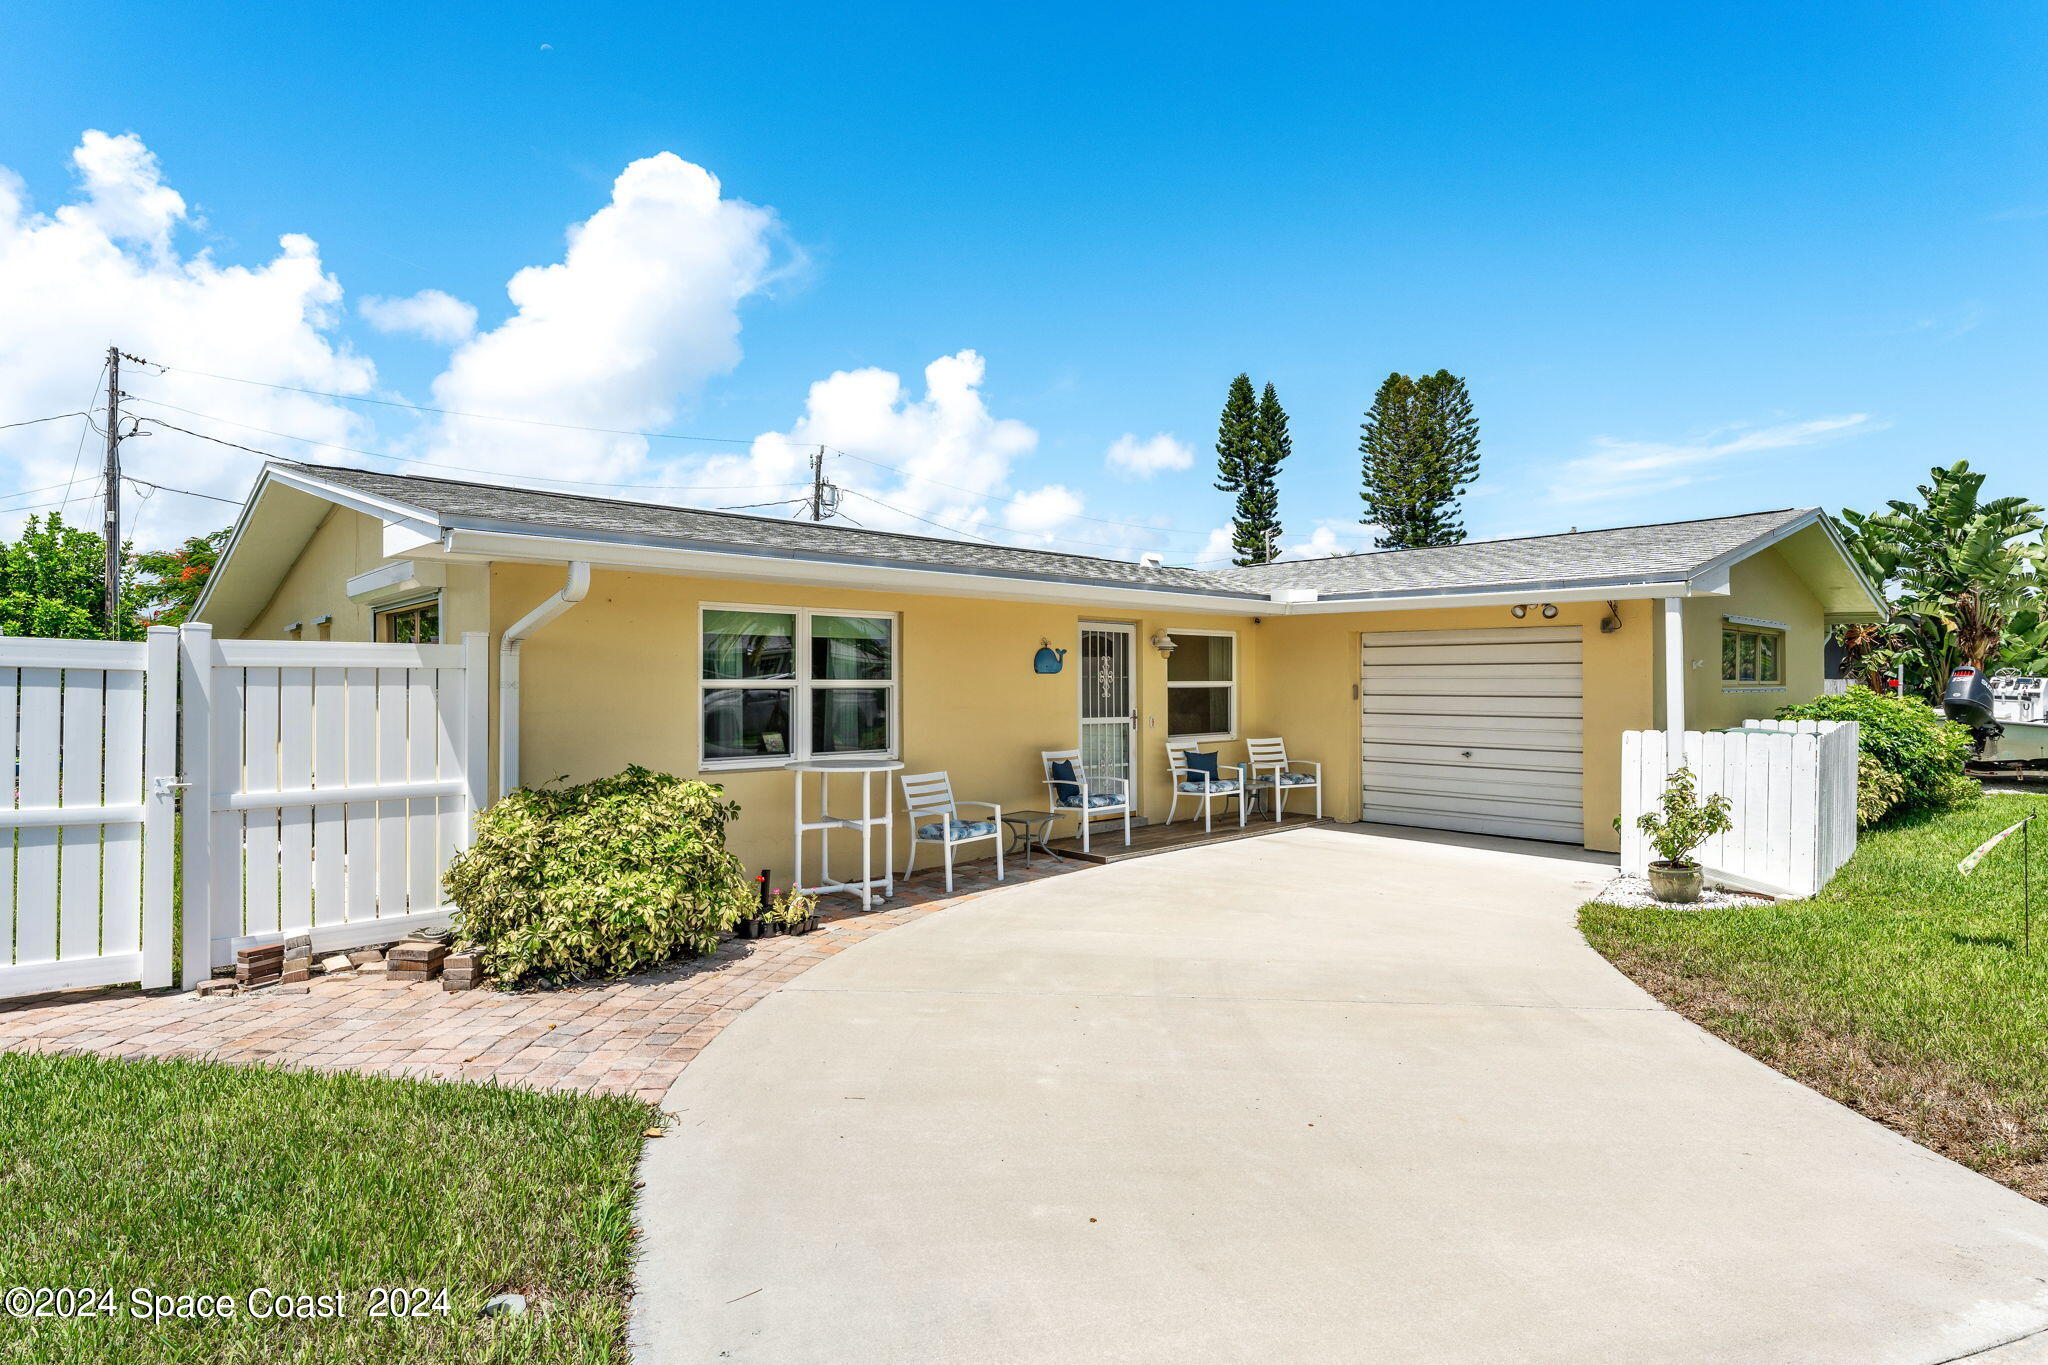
[{"x": 480, "y": 542}]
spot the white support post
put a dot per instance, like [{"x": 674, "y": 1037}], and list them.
[
  {"x": 195, "y": 728},
  {"x": 1674, "y": 683},
  {"x": 476, "y": 701},
  {"x": 159, "y": 803}
]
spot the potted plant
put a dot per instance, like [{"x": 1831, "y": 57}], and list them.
[
  {"x": 1687, "y": 822},
  {"x": 795, "y": 912}
]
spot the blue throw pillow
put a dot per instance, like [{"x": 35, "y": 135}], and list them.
[
  {"x": 1068, "y": 788},
  {"x": 1204, "y": 765}
]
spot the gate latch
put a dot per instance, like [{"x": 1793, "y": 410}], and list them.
[{"x": 167, "y": 786}]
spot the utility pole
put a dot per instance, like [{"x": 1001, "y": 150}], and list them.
[
  {"x": 818, "y": 485},
  {"x": 111, "y": 524}
]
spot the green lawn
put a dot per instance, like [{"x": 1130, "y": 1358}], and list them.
[
  {"x": 197, "y": 1178},
  {"x": 1901, "y": 990}
]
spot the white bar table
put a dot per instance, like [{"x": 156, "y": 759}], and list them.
[{"x": 862, "y": 769}]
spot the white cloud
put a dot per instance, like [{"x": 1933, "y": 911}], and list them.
[
  {"x": 1618, "y": 468},
  {"x": 1331, "y": 537},
  {"x": 642, "y": 309},
  {"x": 107, "y": 268},
  {"x": 940, "y": 461},
  {"x": 429, "y": 314},
  {"x": 1154, "y": 455}
]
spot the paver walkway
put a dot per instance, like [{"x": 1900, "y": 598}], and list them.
[{"x": 626, "y": 1037}]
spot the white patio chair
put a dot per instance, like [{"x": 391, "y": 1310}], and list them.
[
  {"x": 1267, "y": 767},
  {"x": 1196, "y": 785},
  {"x": 935, "y": 819},
  {"x": 1098, "y": 796}
]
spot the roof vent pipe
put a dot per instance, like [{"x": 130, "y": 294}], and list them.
[{"x": 572, "y": 592}]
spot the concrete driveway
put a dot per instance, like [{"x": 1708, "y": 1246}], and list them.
[{"x": 1338, "y": 1094}]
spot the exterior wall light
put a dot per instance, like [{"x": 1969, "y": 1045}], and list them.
[
  {"x": 1518, "y": 611},
  {"x": 1164, "y": 643},
  {"x": 1550, "y": 611}
]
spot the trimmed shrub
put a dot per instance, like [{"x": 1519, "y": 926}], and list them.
[
  {"x": 1921, "y": 750},
  {"x": 1878, "y": 789},
  {"x": 598, "y": 880}
]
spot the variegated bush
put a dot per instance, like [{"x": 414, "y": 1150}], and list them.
[{"x": 598, "y": 880}]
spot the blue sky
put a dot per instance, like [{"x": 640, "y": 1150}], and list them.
[{"x": 1691, "y": 262}]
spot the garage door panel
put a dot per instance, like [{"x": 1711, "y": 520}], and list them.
[
  {"x": 1480, "y": 726},
  {"x": 1479, "y": 708},
  {"x": 1531, "y": 759},
  {"x": 1509, "y": 826},
  {"x": 1474, "y": 655},
  {"x": 1480, "y": 731},
  {"x": 1532, "y": 793},
  {"x": 1488, "y": 684},
  {"x": 1526, "y": 635},
  {"x": 1462, "y": 804},
  {"x": 1451, "y": 674}
]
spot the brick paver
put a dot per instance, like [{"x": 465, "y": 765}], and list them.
[{"x": 627, "y": 1037}]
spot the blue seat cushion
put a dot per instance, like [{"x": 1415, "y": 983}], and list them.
[
  {"x": 1200, "y": 765},
  {"x": 1069, "y": 789},
  {"x": 1095, "y": 799},
  {"x": 1223, "y": 788},
  {"x": 962, "y": 829},
  {"x": 1287, "y": 779}
]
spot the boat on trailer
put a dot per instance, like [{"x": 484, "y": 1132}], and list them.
[{"x": 2007, "y": 715}]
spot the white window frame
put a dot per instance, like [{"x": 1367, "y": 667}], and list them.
[
  {"x": 1230, "y": 688},
  {"x": 801, "y": 686},
  {"x": 406, "y": 604}
]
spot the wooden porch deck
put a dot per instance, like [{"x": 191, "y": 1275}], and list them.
[{"x": 1108, "y": 837}]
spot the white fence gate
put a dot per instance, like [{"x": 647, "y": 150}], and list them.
[
  {"x": 324, "y": 788},
  {"x": 1793, "y": 789},
  {"x": 85, "y": 843}
]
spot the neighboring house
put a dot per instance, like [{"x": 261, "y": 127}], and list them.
[{"x": 1477, "y": 687}]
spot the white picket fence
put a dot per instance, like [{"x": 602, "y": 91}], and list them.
[
  {"x": 323, "y": 788},
  {"x": 1793, "y": 789}
]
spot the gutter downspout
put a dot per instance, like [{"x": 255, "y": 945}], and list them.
[{"x": 572, "y": 592}]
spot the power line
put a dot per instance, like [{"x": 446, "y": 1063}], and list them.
[
  {"x": 453, "y": 412},
  {"x": 166, "y": 488},
  {"x": 427, "y": 464},
  {"x": 57, "y": 417}
]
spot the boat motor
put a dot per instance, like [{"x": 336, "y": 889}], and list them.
[{"x": 1968, "y": 702}]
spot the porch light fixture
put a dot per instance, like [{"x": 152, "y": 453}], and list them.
[
  {"x": 1550, "y": 611},
  {"x": 1518, "y": 611},
  {"x": 1164, "y": 643}
]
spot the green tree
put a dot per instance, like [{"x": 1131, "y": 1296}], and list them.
[
  {"x": 173, "y": 579},
  {"x": 1256, "y": 533},
  {"x": 52, "y": 583},
  {"x": 1419, "y": 445},
  {"x": 1958, "y": 572},
  {"x": 1240, "y": 469}
]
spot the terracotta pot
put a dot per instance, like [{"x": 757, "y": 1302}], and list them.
[{"x": 1676, "y": 883}]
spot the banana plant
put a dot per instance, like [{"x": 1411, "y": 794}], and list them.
[{"x": 1957, "y": 571}]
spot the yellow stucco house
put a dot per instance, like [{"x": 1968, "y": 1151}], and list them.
[{"x": 1480, "y": 687}]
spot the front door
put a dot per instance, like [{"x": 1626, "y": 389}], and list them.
[{"x": 1109, "y": 712}]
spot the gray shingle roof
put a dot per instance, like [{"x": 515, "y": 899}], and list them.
[{"x": 1628, "y": 554}]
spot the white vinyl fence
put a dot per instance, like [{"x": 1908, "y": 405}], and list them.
[
  {"x": 322, "y": 787},
  {"x": 1793, "y": 789}
]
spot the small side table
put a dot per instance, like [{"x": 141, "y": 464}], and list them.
[{"x": 1028, "y": 830}]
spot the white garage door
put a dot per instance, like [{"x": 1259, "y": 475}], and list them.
[{"x": 1479, "y": 730}]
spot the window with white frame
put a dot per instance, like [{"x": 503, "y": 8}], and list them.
[
  {"x": 1201, "y": 685},
  {"x": 789, "y": 682}
]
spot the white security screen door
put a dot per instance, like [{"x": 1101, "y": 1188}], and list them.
[{"x": 1109, "y": 722}]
